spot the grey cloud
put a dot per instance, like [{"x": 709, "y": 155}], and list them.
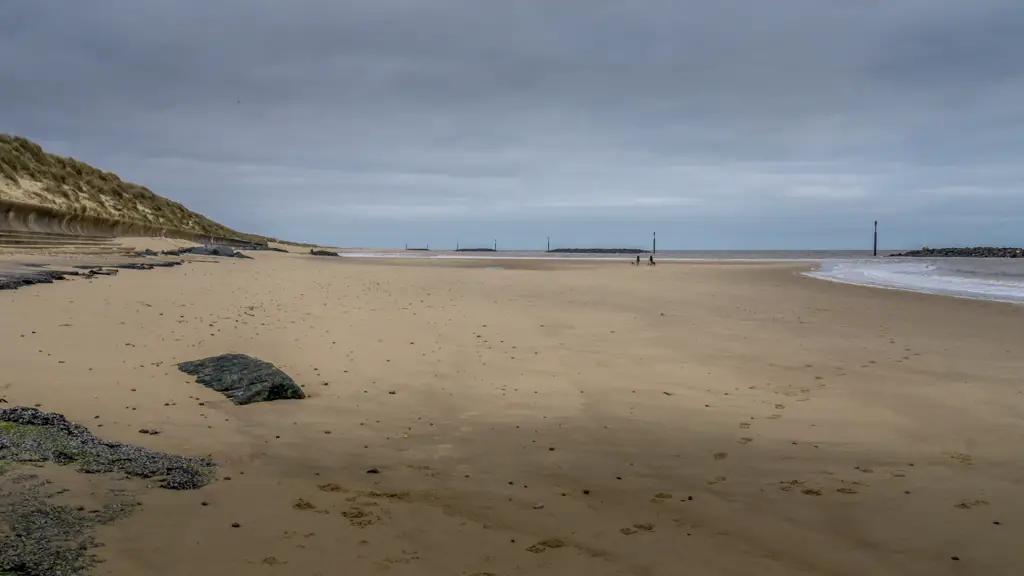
[{"x": 364, "y": 123}]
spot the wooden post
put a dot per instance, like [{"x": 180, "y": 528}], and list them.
[
  {"x": 654, "y": 244},
  {"x": 549, "y": 243},
  {"x": 495, "y": 244},
  {"x": 876, "y": 238}
]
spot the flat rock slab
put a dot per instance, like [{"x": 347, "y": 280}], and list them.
[
  {"x": 243, "y": 379},
  {"x": 29, "y": 435},
  {"x": 17, "y": 278}
]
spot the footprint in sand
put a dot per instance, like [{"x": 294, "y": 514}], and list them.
[
  {"x": 716, "y": 480},
  {"x": 744, "y": 425},
  {"x": 536, "y": 548},
  {"x": 388, "y": 495},
  {"x": 721, "y": 455},
  {"x": 966, "y": 459},
  {"x": 358, "y": 517},
  {"x": 301, "y": 504},
  {"x": 745, "y": 440},
  {"x": 846, "y": 490},
  {"x": 811, "y": 492},
  {"x": 787, "y": 485},
  {"x": 968, "y": 504},
  {"x": 637, "y": 528},
  {"x": 543, "y": 545}
]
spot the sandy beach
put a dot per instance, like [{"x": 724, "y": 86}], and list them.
[{"x": 546, "y": 418}]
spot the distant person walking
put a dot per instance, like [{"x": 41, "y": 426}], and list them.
[
  {"x": 637, "y": 260},
  {"x": 651, "y": 261}
]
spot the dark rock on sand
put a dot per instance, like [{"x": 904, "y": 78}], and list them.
[
  {"x": 150, "y": 265},
  {"x": 213, "y": 251},
  {"x": 972, "y": 252},
  {"x": 243, "y": 379},
  {"x": 44, "y": 538},
  {"x": 41, "y": 538},
  {"x": 225, "y": 251},
  {"x": 30, "y": 435},
  {"x": 14, "y": 279},
  {"x": 323, "y": 253}
]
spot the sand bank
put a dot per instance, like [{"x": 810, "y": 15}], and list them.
[{"x": 545, "y": 418}]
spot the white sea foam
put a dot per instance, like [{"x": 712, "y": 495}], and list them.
[
  {"x": 984, "y": 279},
  {"x": 980, "y": 278}
]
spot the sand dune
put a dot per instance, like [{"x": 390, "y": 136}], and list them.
[{"x": 548, "y": 418}]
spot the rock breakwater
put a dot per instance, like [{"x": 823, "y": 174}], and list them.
[{"x": 971, "y": 252}]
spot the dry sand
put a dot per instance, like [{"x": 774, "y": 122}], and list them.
[{"x": 689, "y": 419}]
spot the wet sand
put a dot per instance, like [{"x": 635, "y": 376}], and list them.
[{"x": 547, "y": 418}]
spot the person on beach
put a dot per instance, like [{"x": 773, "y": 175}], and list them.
[
  {"x": 651, "y": 261},
  {"x": 637, "y": 260}
]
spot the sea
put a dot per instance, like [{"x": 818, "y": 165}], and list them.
[{"x": 998, "y": 279}]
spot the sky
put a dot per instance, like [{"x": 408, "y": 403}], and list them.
[{"x": 719, "y": 124}]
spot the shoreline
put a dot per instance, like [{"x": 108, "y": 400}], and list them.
[
  {"x": 28, "y": 269},
  {"x": 811, "y": 274},
  {"x": 994, "y": 280}
]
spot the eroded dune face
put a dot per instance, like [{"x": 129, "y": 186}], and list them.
[
  {"x": 24, "y": 216},
  {"x": 44, "y": 192}
]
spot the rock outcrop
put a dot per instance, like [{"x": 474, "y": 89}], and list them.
[
  {"x": 243, "y": 379},
  {"x": 30, "y": 435},
  {"x": 14, "y": 279}
]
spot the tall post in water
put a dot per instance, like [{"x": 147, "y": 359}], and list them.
[
  {"x": 549, "y": 243},
  {"x": 876, "y": 238},
  {"x": 654, "y": 244}
]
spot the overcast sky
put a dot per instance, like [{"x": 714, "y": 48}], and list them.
[{"x": 718, "y": 123}]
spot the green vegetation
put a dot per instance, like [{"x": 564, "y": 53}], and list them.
[
  {"x": 76, "y": 188},
  {"x": 39, "y": 439},
  {"x": 74, "y": 445}
]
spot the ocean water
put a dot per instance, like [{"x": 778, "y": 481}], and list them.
[
  {"x": 997, "y": 279},
  {"x": 979, "y": 278},
  {"x": 669, "y": 255}
]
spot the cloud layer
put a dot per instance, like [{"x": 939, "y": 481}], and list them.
[{"x": 726, "y": 124}]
